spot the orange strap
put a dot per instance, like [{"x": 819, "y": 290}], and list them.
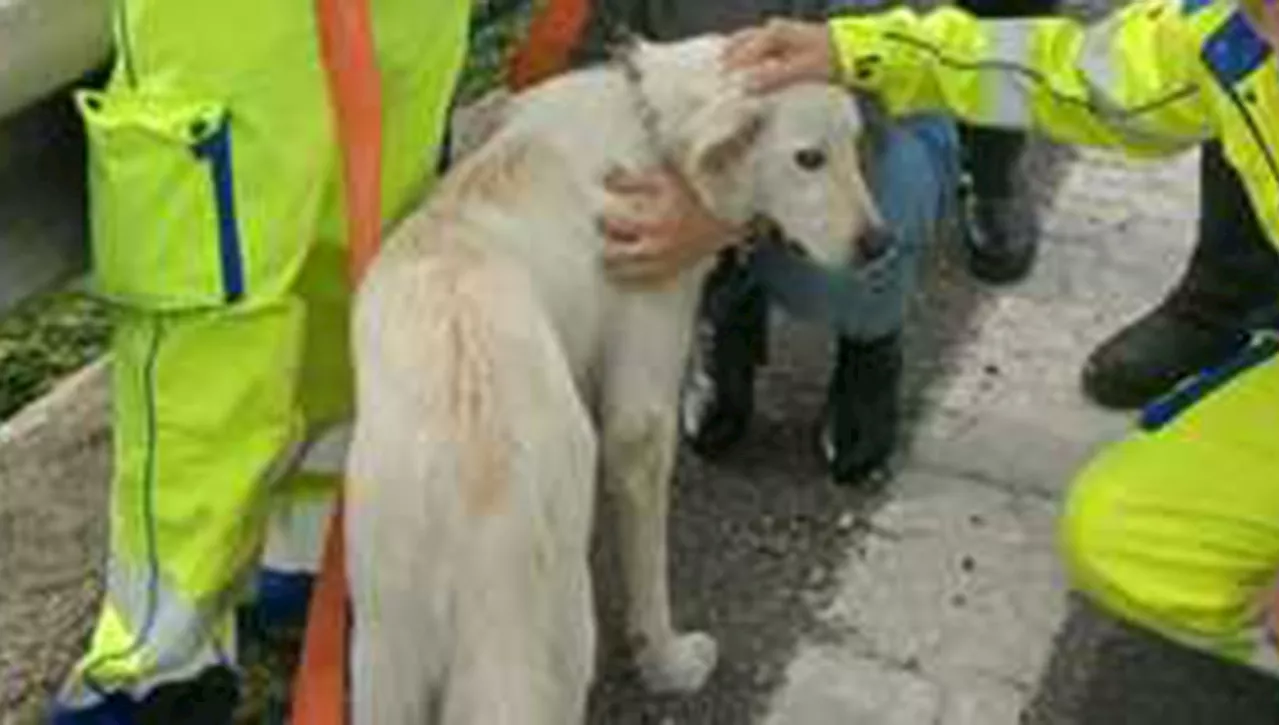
[
  {"x": 553, "y": 34},
  {"x": 350, "y": 61},
  {"x": 320, "y": 685}
]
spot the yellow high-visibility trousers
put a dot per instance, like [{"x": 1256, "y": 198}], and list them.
[{"x": 1175, "y": 529}]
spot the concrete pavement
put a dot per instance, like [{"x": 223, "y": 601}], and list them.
[{"x": 948, "y": 609}]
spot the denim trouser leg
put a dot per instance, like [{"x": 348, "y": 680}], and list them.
[{"x": 913, "y": 180}]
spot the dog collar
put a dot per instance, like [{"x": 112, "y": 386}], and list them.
[{"x": 622, "y": 50}]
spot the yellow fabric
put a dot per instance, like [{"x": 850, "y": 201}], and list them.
[
  {"x": 1144, "y": 80},
  {"x": 143, "y": 152},
  {"x": 112, "y": 637},
  {"x": 210, "y": 391},
  {"x": 418, "y": 71},
  {"x": 194, "y": 440},
  {"x": 258, "y": 66},
  {"x": 325, "y": 378},
  {"x": 213, "y": 432},
  {"x": 421, "y": 47},
  {"x": 1177, "y": 529}
]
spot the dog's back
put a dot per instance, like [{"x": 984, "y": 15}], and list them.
[{"x": 471, "y": 480}]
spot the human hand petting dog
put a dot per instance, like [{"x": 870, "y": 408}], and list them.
[
  {"x": 781, "y": 52},
  {"x": 656, "y": 226}
]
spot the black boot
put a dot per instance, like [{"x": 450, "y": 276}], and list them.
[
  {"x": 1000, "y": 228},
  {"x": 1151, "y": 354},
  {"x": 719, "y": 397},
  {"x": 860, "y": 426},
  {"x": 209, "y": 699},
  {"x": 1228, "y": 289}
]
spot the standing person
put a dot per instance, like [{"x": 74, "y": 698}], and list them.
[
  {"x": 1000, "y": 229},
  {"x": 1145, "y": 533},
  {"x": 218, "y": 232},
  {"x": 912, "y": 169}
]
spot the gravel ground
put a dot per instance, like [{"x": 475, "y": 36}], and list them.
[{"x": 53, "y": 475}]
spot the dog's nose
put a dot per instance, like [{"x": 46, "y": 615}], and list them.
[{"x": 874, "y": 244}]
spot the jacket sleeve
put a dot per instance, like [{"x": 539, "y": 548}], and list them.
[{"x": 1132, "y": 81}]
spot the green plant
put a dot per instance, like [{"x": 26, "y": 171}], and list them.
[{"x": 46, "y": 339}]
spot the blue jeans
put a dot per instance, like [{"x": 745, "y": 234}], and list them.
[{"x": 914, "y": 182}]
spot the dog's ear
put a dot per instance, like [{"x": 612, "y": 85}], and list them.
[
  {"x": 723, "y": 133},
  {"x": 720, "y": 138}
]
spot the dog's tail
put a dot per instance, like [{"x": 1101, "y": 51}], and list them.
[{"x": 471, "y": 486}]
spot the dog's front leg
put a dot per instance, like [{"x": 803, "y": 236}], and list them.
[{"x": 639, "y": 453}]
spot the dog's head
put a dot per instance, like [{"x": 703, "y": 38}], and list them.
[{"x": 791, "y": 157}]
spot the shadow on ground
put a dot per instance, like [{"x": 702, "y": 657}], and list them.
[{"x": 1108, "y": 673}]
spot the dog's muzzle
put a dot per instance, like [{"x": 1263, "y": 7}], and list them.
[
  {"x": 872, "y": 245},
  {"x": 863, "y": 299}
]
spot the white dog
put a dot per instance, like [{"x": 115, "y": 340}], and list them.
[{"x": 499, "y": 373}]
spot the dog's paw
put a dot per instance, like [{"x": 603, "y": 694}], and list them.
[{"x": 681, "y": 664}]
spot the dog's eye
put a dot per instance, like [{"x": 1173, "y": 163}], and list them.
[{"x": 811, "y": 159}]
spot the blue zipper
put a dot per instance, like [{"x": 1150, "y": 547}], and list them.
[{"x": 216, "y": 149}]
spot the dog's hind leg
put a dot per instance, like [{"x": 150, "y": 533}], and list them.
[
  {"x": 639, "y": 437},
  {"x": 401, "y": 538},
  {"x": 385, "y": 688},
  {"x": 525, "y": 645},
  {"x": 398, "y": 569},
  {"x": 524, "y": 629}
]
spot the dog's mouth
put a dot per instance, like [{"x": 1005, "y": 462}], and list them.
[
  {"x": 872, "y": 244},
  {"x": 763, "y": 231}
]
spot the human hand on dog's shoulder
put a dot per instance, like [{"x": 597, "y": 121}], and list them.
[
  {"x": 655, "y": 227},
  {"x": 781, "y": 52}
]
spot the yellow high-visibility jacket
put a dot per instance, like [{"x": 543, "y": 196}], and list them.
[{"x": 1155, "y": 77}]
